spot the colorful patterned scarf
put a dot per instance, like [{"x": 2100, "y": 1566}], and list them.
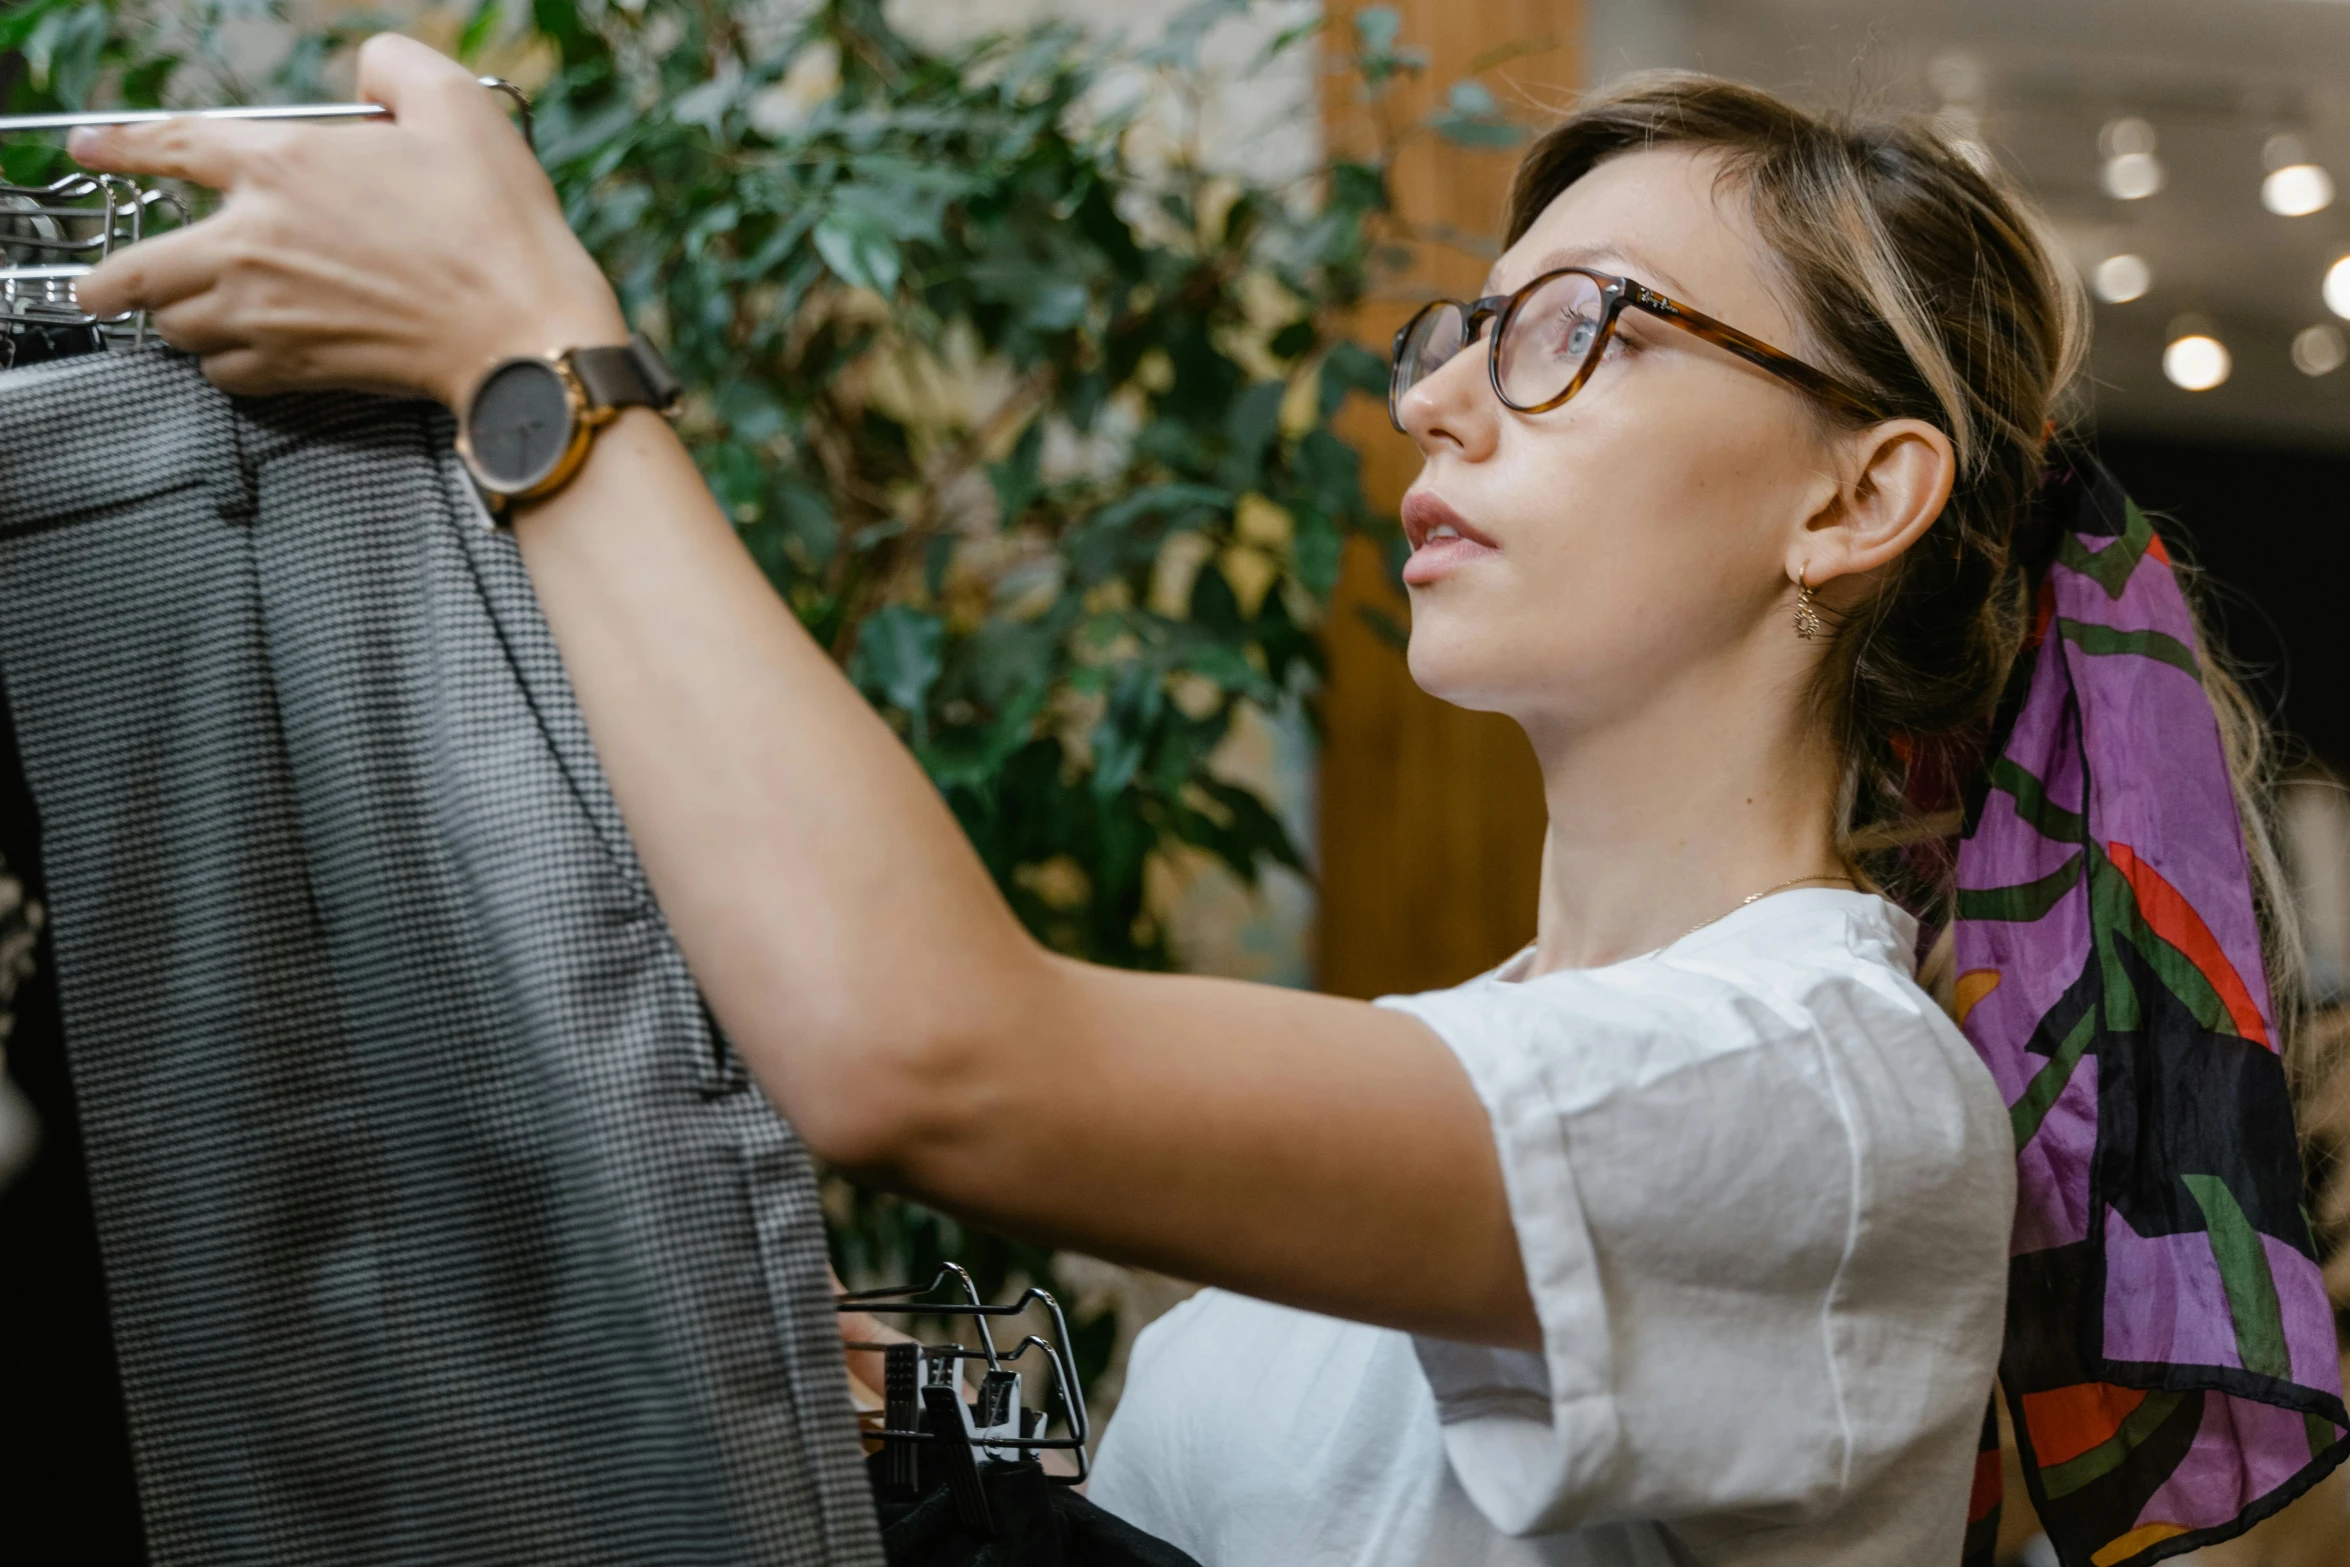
[{"x": 2170, "y": 1361}]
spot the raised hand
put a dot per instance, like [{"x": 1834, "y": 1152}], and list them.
[{"x": 401, "y": 255}]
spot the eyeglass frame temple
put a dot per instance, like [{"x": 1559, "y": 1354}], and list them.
[{"x": 1620, "y": 292}]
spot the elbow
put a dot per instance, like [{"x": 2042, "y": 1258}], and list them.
[
  {"x": 887, "y": 1093},
  {"x": 866, "y": 1116}
]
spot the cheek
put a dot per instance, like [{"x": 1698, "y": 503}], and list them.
[
  {"x": 1639, "y": 539},
  {"x": 1666, "y": 507}
]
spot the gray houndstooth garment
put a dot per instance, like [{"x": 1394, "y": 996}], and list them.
[{"x": 438, "y": 1224}]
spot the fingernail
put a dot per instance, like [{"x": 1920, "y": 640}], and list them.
[{"x": 82, "y": 142}]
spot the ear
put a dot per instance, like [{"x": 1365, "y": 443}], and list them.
[{"x": 1896, "y": 480}]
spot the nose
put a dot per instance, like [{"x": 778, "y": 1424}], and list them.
[{"x": 1452, "y": 409}]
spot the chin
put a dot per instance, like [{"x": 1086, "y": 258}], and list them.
[{"x": 1454, "y": 664}]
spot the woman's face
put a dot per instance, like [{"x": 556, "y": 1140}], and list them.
[{"x": 1641, "y": 532}]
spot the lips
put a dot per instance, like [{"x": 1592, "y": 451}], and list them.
[{"x": 1442, "y": 539}]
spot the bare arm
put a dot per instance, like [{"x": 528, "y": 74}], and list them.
[{"x": 1310, "y": 1150}]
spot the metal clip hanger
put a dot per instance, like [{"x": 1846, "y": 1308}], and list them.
[
  {"x": 60, "y": 230},
  {"x": 78, "y": 118},
  {"x": 998, "y": 1429}
]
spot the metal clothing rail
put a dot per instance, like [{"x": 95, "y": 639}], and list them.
[{"x": 12, "y": 124}]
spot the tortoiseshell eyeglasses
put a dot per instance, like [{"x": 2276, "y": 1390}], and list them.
[{"x": 1547, "y": 338}]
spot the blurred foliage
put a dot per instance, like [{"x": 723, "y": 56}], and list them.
[{"x": 1024, "y": 410}]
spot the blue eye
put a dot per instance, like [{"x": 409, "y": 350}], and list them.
[{"x": 1570, "y": 335}]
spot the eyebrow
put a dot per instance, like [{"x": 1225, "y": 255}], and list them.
[{"x": 1593, "y": 256}]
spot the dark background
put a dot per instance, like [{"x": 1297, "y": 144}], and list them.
[{"x": 2271, "y": 528}]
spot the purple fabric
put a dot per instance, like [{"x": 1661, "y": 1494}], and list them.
[
  {"x": 2180, "y": 1312},
  {"x": 2242, "y": 1451},
  {"x": 2110, "y": 974},
  {"x": 2050, "y": 1208}
]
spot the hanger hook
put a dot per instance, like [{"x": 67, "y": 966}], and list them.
[{"x": 521, "y": 104}]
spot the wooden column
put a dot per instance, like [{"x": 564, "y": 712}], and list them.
[{"x": 1432, "y": 817}]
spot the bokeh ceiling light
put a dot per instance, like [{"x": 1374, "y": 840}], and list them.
[
  {"x": 2133, "y": 176},
  {"x": 2120, "y": 279},
  {"x": 2132, "y": 172},
  {"x": 2125, "y": 135},
  {"x": 2337, "y": 288},
  {"x": 2196, "y": 362},
  {"x": 2297, "y": 190},
  {"x": 2319, "y": 350}
]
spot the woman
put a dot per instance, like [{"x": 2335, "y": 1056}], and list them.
[{"x": 1680, "y": 1237}]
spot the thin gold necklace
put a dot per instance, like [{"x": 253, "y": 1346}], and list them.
[
  {"x": 1750, "y": 898},
  {"x": 1757, "y": 897}
]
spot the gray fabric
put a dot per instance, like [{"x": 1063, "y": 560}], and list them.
[{"x": 438, "y": 1223}]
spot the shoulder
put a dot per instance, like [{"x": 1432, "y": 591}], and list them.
[
  {"x": 1764, "y": 1159},
  {"x": 1814, "y": 989},
  {"x": 1786, "y": 1077}
]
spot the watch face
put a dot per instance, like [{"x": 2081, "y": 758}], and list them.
[{"x": 520, "y": 424}]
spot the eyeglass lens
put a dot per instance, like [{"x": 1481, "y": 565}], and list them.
[
  {"x": 1554, "y": 331},
  {"x": 1434, "y": 338}
]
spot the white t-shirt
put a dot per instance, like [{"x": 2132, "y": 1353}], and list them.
[{"x": 1762, "y": 1186}]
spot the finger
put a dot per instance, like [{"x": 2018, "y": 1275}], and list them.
[
  {"x": 198, "y": 326},
  {"x": 153, "y": 273},
  {"x": 241, "y": 372},
  {"x": 259, "y": 368},
  {"x": 868, "y": 1365},
  {"x": 207, "y": 152},
  {"x": 858, "y": 1325}
]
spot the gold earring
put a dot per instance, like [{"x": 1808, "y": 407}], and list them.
[{"x": 1808, "y": 624}]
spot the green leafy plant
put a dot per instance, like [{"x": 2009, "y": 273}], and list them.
[
  {"x": 1030, "y": 424},
  {"x": 1036, "y": 441}
]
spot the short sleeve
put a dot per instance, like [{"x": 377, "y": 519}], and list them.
[{"x": 1683, "y": 1177}]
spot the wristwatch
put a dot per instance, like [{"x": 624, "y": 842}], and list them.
[{"x": 527, "y": 427}]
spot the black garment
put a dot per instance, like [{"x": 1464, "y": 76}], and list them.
[
  {"x": 65, "y": 1449},
  {"x": 1037, "y": 1524},
  {"x": 37, "y": 342}
]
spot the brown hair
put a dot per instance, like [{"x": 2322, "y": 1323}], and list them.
[{"x": 1924, "y": 280}]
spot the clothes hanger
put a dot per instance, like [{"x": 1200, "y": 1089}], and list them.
[
  {"x": 924, "y": 1410},
  {"x": 49, "y": 236}
]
